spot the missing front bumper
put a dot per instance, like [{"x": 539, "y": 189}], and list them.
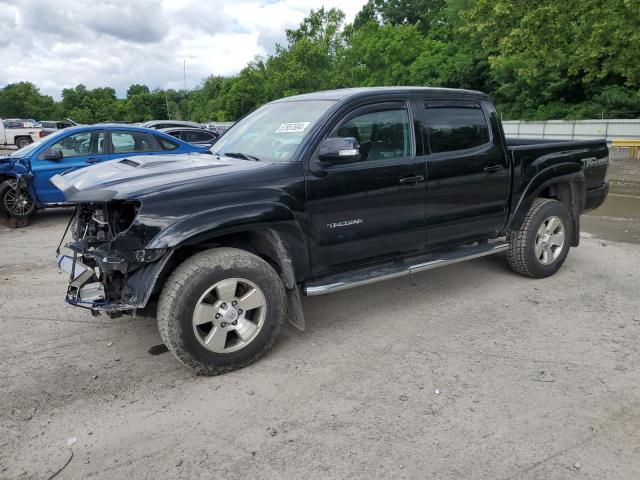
[{"x": 90, "y": 288}]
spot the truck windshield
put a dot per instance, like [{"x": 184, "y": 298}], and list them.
[{"x": 273, "y": 132}]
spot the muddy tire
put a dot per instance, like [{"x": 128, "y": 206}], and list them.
[
  {"x": 539, "y": 248},
  {"x": 15, "y": 201},
  {"x": 23, "y": 142},
  {"x": 221, "y": 310}
]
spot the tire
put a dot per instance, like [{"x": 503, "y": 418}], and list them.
[
  {"x": 200, "y": 290},
  {"x": 23, "y": 142},
  {"x": 15, "y": 202},
  {"x": 536, "y": 249}
]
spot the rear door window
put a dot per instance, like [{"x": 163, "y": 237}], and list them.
[
  {"x": 124, "y": 141},
  {"x": 458, "y": 126}
]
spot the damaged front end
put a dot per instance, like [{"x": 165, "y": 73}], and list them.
[{"x": 108, "y": 272}]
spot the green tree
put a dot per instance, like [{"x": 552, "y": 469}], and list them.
[{"x": 23, "y": 100}]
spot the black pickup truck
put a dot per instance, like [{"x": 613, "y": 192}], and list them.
[{"x": 313, "y": 194}]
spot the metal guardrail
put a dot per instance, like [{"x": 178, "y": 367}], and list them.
[
  {"x": 619, "y": 133},
  {"x": 632, "y": 145},
  {"x": 615, "y": 129}
]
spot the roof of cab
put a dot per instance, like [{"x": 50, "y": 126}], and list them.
[{"x": 359, "y": 92}]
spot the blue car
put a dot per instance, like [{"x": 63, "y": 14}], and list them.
[{"x": 25, "y": 174}]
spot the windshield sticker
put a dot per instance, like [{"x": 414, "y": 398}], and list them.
[{"x": 295, "y": 127}]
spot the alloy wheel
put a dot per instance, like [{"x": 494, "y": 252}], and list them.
[
  {"x": 550, "y": 239},
  {"x": 229, "y": 315}
]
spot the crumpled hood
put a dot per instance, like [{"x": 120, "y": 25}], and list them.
[{"x": 133, "y": 177}]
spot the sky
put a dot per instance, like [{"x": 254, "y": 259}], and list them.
[{"x": 57, "y": 44}]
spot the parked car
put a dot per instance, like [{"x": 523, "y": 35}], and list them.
[
  {"x": 313, "y": 194},
  {"x": 51, "y": 126},
  {"x": 194, "y": 136},
  {"x": 160, "y": 124},
  {"x": 25, "y": 174},
  {"x": 12, "y": 132},
  {"x": 218, "y": 127}
]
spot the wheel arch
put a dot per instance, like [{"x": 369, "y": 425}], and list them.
[
  {"x": 565, "y": 183},
  {"x": 267, "y": 243}
]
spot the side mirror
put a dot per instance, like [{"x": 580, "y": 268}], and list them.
[
  {"x": 53, "y": 154},
  {"x": 336, "y": 151}
]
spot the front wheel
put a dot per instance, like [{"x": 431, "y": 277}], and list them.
[
  {"x": 221, "y": 309},
  {"x": 15, "y": 200},
  {"x": 539, "y": 248}
]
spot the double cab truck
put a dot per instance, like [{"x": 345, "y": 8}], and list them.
[
  {"x": 16, "y": 133},
  {"x": 313, "y": 194}
]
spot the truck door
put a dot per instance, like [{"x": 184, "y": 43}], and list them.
[
  {"x": 373, "y": 208},
  {"x": 468, "y": 173},
  {"x": 78, "y": 150}
]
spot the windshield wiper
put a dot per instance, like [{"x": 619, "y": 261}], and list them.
[{"x": 244, "y": 156}]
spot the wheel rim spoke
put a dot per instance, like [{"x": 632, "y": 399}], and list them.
[
  {"x": 245, "y": 329},
  {"x": 204, "y": 313},
  {"x": 542, "y": 230},
  {"x": 558, "y": 239},
  {"x": 226, "y": 289},
  {"x": 553, "y": 224},
  {"x": 539, "y": 249},
  {"x": 549, "y": 254},
  {"x": 216, "y": 339},
  {"x": 251, "y": 300}
]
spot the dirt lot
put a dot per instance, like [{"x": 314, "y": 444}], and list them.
[{"x": 464, "y": 372}]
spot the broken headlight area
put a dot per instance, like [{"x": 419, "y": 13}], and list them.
[{"x": 103, "y": 277}]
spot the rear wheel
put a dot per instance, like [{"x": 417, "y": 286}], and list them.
[
  {"x": 539, "y": 248},
  {"x": 15, "y": 200},
  {"x": 221, "y": 309},
  {"x": 23, "y": 142}
]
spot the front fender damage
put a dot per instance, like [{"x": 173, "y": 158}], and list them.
[{"x": 98, "y": 289}]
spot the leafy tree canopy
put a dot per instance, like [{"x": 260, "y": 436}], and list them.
[{"x": 538, "y": 59}]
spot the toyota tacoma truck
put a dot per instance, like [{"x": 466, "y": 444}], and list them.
[{"x": 313, "y": 194}]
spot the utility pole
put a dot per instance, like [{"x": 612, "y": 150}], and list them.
[{"x": 184, "y": 73}]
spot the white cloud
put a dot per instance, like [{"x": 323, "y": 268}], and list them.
[{"x": 58, "y": 44}]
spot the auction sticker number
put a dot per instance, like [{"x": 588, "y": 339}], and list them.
[{"x": 295, "y": 127}]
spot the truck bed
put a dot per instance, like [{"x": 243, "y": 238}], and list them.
[{"x": 527, "y": 154}]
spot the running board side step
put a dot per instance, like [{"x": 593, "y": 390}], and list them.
[{"x": 335, "y": 283}]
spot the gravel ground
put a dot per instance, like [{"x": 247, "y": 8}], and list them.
[{"x": 469, "y": 371}]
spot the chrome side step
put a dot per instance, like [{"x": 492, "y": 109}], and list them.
[{"x": 335, "y": 283}]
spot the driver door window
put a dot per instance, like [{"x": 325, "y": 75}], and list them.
[
  {"x": 382, "y": 135},
  {"x": 81, "y": 144}
]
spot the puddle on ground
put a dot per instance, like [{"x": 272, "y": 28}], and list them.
[
  {"x": 618, "y": 219},
  {"x": 158, "y": 349}
]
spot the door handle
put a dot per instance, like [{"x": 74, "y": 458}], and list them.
[
  {"x": 91, "y": 160},
  {"x": 493, "y": 168},
  {"x": 412, "y": 179}
]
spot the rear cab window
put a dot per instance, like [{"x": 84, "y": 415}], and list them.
[{"x": 454, "y": 125}]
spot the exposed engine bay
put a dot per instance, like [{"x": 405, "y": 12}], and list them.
[
  {"x": 94, "y": 223},
  {"x": 104, "y": 274}
]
